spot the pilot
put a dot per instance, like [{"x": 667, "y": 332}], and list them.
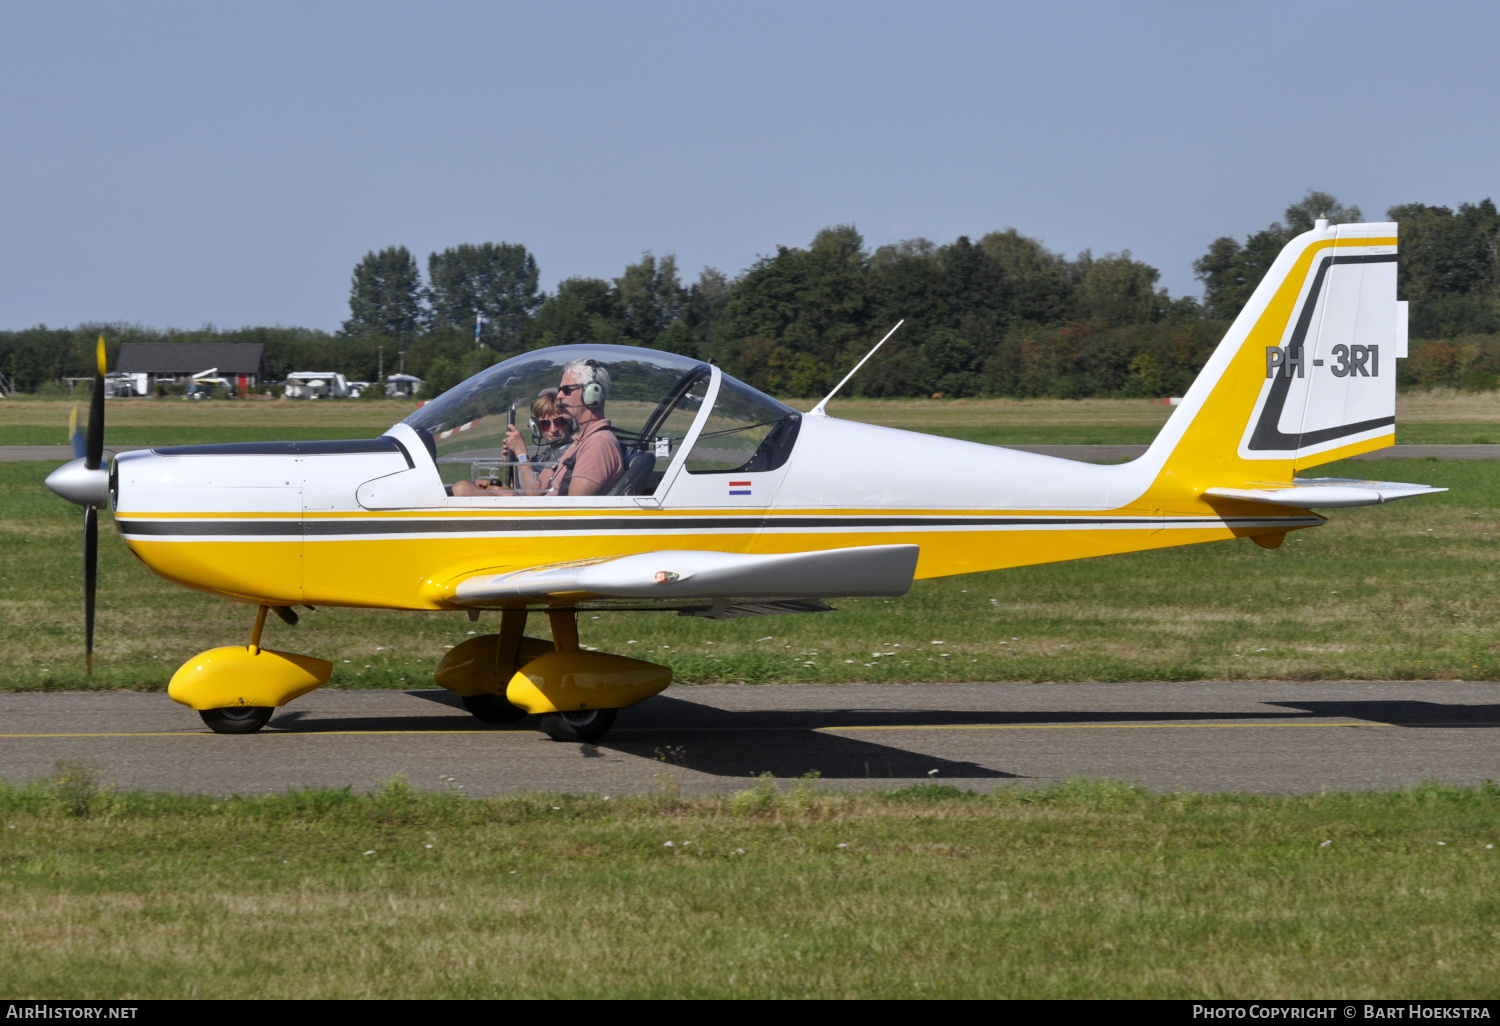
[{"x": 592, "y": 462}]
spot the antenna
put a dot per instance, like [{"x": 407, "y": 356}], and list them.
[{"x": 818, "y": 411}]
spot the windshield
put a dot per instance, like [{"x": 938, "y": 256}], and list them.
[
  {"x": 651, "y": 403},
  {"x": 746, "y": 432}
]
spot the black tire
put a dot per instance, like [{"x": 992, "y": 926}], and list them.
[
  {"x": 239, "y": 719},
  {"x": 493, "y": 709},
  {"x": 586, "y": 725}
]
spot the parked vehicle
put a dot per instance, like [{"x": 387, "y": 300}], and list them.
[
  {"x": 402, "y": 386},
  {"x": 207, "y": 388},
  {"x": 316, "y": 385},
  {"x": 121, "y": 386}
]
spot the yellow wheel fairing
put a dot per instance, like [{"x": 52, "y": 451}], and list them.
[
  {"x": 223, "y": 678},
  {"x": 473, "y": 667},
  {"x": 570, "y": 681}
]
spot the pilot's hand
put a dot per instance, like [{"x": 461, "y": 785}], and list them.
[{"x": 515, "y": 442}]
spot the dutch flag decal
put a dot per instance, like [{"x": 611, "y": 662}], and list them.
[{"x": 739, "y": 488}]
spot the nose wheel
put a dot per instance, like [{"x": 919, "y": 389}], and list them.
[
  {"x": 585, "y": 725},
  {"x": 241, "y": 719}
]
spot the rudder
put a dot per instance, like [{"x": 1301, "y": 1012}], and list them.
[{"x": 1307, "y": 372}]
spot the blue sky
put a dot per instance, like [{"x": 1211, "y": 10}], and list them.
[{"x": 175, "y": 164}]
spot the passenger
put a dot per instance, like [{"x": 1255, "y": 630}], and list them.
[
  {"x": 556, "y": 433},
  {"x": 590, "y": 463}
]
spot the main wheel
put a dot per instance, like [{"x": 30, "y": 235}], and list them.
[
  {"x": 583, "y": 725},
  {"x": 238, "y": 719},
  {"x": 493, "y": 709}
]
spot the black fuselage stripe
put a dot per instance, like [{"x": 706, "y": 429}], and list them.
[
  {"x": 1267, "y": 434},
  {"x": 338, "y": 528}
]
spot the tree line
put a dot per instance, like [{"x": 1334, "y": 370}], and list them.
[{"x": 998, "y": 314}]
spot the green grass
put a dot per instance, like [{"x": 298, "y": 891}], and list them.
[
  {"x": 1080, "y": 890},
  {"x": 1448, "y": 434},
  {"x": 1423, "y": 417},
  {"x": 1406, "y": 591}
]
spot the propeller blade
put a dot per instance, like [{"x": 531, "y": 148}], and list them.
[
  {"x": 75, "y": 435},
  {"x": 90, "y": 580},
  {"x": 95, "y": 445}
]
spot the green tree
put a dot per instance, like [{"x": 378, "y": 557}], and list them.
[
  {"x": 496, "y": 280},
  {"x": 385, "y": 296},
  {"x": 650, "y": 298},
  {"x": 443, "y": 372},
  {"x": 809, "y": 306},
  {"x": 1445, "y": 253},
  {"x": 702, "y": 307},
  {"x": 1039, "y": 281},
  {"x": 583, "y": 310},
  {"x": 1118, "y": 290},
  {"x": 1231, "y": 271}
]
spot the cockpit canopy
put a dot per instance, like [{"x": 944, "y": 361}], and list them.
[{"x": 653, "y": 402}]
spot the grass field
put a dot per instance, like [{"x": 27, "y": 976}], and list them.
[
  {"x": 1406, "y": 591},
  {"x": 1082, "y": 890},
  {"x": 1427, "y": 418},
  {"x": 1090, "y": 889}
]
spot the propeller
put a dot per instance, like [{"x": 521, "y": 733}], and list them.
[
  {"x": 85, "y": 483},
  {"x": 93, "y": 451}
]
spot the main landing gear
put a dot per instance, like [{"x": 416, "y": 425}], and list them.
[{"x": 575, "y": 694}]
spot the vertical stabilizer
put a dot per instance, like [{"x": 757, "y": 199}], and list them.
[{"x": 1307, "y": 372}]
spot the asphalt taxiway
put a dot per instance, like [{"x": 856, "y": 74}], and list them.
[{"x": 1273, "y": 737}]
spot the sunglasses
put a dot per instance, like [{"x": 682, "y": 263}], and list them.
[
  {"x": 568, "y": 389},
  {"x": 545, "y": 423}
]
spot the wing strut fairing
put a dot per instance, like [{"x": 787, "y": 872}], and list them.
[{"x": 689, "y": 574}]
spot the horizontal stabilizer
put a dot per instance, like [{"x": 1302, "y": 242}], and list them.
[
  {"x": 691, "y": 574},
  {"x": 1327, "y": 493}
]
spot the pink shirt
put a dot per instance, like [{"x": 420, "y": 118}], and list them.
[{"x": 595, "y": 455}]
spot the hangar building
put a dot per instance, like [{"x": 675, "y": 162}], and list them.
[{"x": 175, "y": 363}]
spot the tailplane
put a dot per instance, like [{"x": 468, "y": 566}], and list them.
[{"x": 1306, "y": 374}]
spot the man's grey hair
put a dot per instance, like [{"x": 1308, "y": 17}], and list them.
[{"x": 587, "y": 372}]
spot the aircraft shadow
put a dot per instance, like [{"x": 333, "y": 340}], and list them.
[
  {"x": 795, "y": 753},
  {"x": 791, "y": 743},
  {"x": 1405, "y": 713}
]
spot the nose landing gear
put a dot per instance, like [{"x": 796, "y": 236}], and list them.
[
  {"x": 588, "y": 725},
  {"x": 235, "y": 689}
]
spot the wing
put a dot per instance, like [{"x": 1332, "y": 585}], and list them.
[
  {"x": 672, "y": 576},
  {"x": 1327, "y": 492}
]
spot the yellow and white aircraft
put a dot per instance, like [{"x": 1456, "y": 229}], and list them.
[{"x": 731, "y": 503}]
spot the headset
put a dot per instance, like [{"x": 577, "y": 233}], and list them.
[{"x": 593, "y": 392}]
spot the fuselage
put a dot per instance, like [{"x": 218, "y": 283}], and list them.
[{"x": 370, "y": 523}]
